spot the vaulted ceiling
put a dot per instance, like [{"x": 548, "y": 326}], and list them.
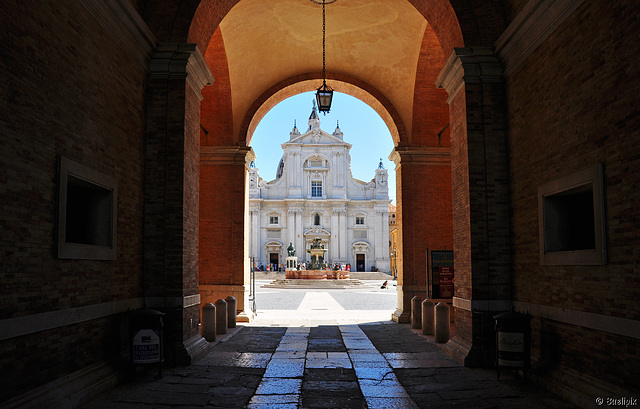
[{"x": 377, "y": 42}]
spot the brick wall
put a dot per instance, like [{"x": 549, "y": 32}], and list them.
[
  {"x": 41, "y": 358},
  {"x": 222, "y": 206},
  {"x": 573, "y": 104},
  {"x": 58, "y": 99},
  {"x": 426, "y": 216}
]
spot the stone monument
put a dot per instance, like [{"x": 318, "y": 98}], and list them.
[
  {"x": 317, "y": 252},
  {"x": 292, "y": 260},
  {"x": 317, "y": 268}
]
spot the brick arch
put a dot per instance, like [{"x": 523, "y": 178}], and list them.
[
  {"x": 456, "y": 23},
  {"x": 216, "y": 116},
  {"x": 310, "y": 82},
  {"x": 430, "y": 108}
]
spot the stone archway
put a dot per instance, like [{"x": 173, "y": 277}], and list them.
[{"x": 474, "y": 112}]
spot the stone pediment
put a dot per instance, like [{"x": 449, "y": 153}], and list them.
[
  {"x": 360, "y": 246},
  {"x": 317, "y": 231},
  {"x": 317, "y": 137}
]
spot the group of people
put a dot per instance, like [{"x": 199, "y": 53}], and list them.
[
  {"x": 341, "y": 267},
  {"x": 335, "y": 267},
  {"x": 301, "y": 266},
  {"x": 270, "y": 267}
]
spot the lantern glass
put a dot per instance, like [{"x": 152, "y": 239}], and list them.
[{"x": 324, "y": 95}]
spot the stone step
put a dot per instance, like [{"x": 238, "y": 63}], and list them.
[{"x": 375, "y": 275}]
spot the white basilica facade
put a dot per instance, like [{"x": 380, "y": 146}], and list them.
[{"x": 314, "y": 196}]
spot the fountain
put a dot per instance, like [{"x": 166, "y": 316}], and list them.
[{"x": 317, "y": 269}]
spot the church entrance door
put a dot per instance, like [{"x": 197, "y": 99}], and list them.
[
  {"x": 274, "y": 260},
  {"x": 359, "y": 262}
]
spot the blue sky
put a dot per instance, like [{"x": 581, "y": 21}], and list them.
[{"x": 361, "y": 125}]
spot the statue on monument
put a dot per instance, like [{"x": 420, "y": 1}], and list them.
[
  {"x": 317, "y": 244},
  {"x": 291, "y": 250}
]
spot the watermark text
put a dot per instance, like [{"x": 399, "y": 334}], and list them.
[{"x": 617, "y": 401}]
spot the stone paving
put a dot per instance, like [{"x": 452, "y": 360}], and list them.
[{"x": 306, "y": 360}]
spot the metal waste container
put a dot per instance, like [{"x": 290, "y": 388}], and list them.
[
  {"x": 513, "y": 342},
  {"x": 145, "y": 329}
]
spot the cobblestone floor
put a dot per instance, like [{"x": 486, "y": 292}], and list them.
[{"x": 306, "y": 360}]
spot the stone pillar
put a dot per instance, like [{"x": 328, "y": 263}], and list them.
[
  {"x": 443, "y": 322},
  {"x": 479, "y": 164},
  {"x": 177, "y": 74},
  {"x": 428, "y": 318},
  {"x": 232, "y": 310},
  {"x": 209, "y": 322},
  {"x": 423, "y": 178},
  {"x": 416, "y": 313},
  {"x": 221, "y": 316},
  {"x": 224, "y": 235}
]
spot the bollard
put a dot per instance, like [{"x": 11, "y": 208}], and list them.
[
  {"x": 427, "y": 317},
  {"x": 442, "y": 322},
  {"x": 209, "y": 322},
  {"x": 416, "y": 307},
  {"x": 221, "y": 316},
  {"x": 231, "y": 311}
]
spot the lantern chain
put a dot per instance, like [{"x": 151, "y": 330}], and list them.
[{"x": 324, "y": 2}]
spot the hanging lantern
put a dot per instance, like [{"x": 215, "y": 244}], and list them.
[{"x": 324, "y": 94}]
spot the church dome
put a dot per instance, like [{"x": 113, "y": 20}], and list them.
[{"x": 280, "y": 169}]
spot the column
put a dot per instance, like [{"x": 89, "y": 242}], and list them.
[
  {"x": 382, "y": 239},
  {"x": 343, "y": 251},
  {"x": 335, "y": 236},
  {"x": 177, "y": 74},
  {"x": 224, "y": 225},
  {"x": 255, "y": 233},
  {"x": 291, "y": 227},
  {"x": 299, "y": 236},
  {"x": 479, "y": 162},
  {"x": 376, "y": 237}
]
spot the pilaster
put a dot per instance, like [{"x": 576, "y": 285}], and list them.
[
  {"x": 173, "y": 61},
  {"x": 424, "y": 215},
  {"x": 338, "y": 230},
  {"x": 171, "y": 196},
  {"x": 479, "y": 170}
]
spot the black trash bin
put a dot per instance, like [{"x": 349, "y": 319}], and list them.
[
  {"x": 513, "y": 342},
  {"x": 146, "y": 343}
]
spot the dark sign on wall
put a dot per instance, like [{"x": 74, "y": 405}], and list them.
[{"x": 442, "y": 274}]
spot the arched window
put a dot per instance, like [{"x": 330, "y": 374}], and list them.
[{"x": 316, "y": 219}]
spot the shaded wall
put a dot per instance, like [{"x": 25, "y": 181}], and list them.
[
  {"x": 58, "y": 99},
  {"x": 572, "y": 104}
]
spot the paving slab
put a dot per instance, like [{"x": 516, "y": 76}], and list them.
[{"x": 308, "y": 359}]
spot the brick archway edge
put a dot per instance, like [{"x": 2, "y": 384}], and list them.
[{"x": 309, "y": 82}]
